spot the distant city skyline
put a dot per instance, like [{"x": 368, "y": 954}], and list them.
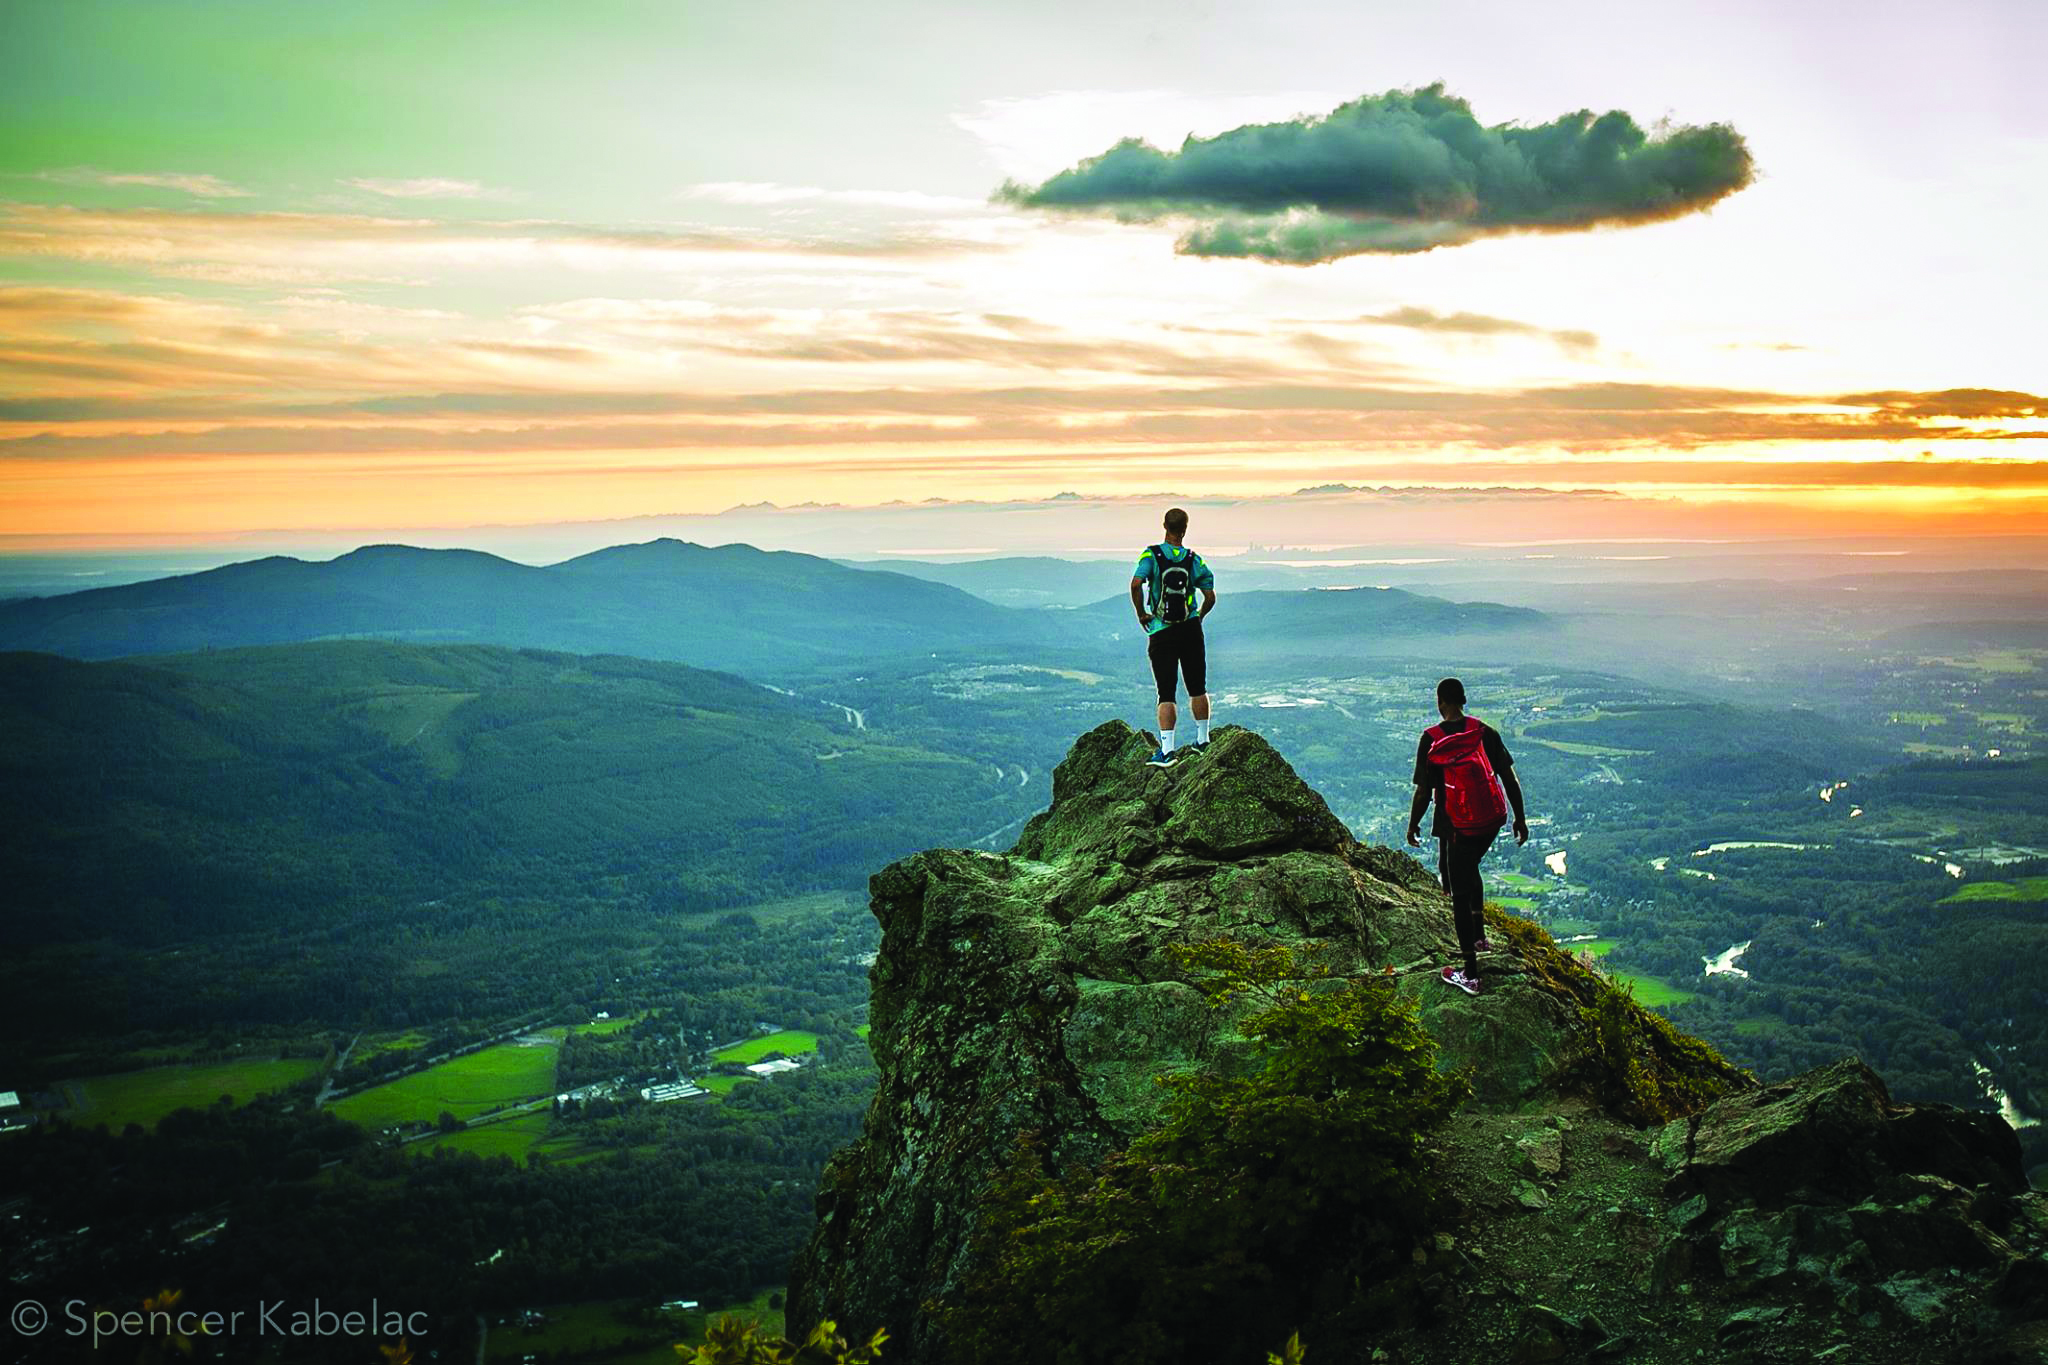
[{"x": 1740, "y": 270}]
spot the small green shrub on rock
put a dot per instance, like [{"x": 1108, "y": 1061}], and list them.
[
  {"x": 735, "y": 1341},
  {"x": 1627, "y": 1058},
  {"x": 1295, "y": 1195}
]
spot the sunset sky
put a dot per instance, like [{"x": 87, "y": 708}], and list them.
[{"x": 390, "y": 264}]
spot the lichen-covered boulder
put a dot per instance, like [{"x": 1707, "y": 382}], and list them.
[
  {"x": 1821, "y": 1188},
  {"x": 1832, "y": 1135}
]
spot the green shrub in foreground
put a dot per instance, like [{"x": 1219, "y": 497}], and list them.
[
  {"x": 1291, "y": 1196},
  {"x": 733, "y": 1341}
]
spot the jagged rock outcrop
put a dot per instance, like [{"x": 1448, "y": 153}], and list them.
[
  {"x": 1823, "y": 1191},
  {"x": 1032, "y": 991}
]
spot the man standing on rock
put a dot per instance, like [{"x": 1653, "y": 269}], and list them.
[
  {"x": 1464, "y": 766},
  {"x": 1163, "y": 587}
]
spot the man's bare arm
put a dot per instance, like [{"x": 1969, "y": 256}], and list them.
[
  {"x": 1513, "y": 789},
  {"x": 1138, "y": 600}
]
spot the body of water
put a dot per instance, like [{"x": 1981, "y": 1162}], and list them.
[{"x": 1724, "y": 965}]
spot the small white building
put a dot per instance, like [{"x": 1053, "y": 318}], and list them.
[
  {"x": 9, "y": 1100},
  {"x": 771, "y": 1068},
  {"x": 671, "y": 1090}
]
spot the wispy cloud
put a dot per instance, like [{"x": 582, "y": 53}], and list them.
[
  {"x": 1598, "y": 422},
  {"x": 199, "y": 186},
  {"x": 313, "y": 248},
  {"x": 1954, "y": 403},
  {"x": 773, "y": 195},
  {"x": 962, "y": 341},
  {"x": 427, "y": 187},
  {"x": 1479, "y": 324},
  {"x": 1402, "y": 172}
]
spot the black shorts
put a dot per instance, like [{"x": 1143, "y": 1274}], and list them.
[{"x": 1179, "y": 647}]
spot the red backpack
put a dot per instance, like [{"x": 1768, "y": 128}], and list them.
[{"x": 1473, "y": 799}]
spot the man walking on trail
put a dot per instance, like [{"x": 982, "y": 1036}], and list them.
[
  {"x": 1163, "y": 588},
  {"x": 1463, "y": 765}
]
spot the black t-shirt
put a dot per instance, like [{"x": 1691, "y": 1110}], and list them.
[{"x": 1428, "y": 774}]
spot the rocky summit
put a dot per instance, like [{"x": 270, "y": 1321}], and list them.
[{"x": 1620, "y": 1192}]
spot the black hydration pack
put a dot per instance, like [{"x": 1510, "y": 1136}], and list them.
[{"x": 1176, "y": 586}]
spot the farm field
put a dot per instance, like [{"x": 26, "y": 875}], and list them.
[
  {"x": 2025, "y": 889},
  {"x": 146, "y": 1096},
  {"x": 789, "y": 1041},
  {"x": 463, "y": 1086},
  {"x": 513, "y": 1137},
  {"x": 1652, "y": 991}
]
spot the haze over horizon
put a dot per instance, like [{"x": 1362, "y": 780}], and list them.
[{"x": 499, "y": 266}]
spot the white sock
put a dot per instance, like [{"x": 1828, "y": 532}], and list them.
[
  {"x": 1201, "y": 732},
  {"x": 1166, "y": 741}
]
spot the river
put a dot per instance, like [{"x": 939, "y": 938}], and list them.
[
  {"x": 1724, "y": 965},
  {"x": 2007, "y": 1110}
]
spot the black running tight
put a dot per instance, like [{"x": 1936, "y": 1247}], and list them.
[{"x": 1457, "y": 863}]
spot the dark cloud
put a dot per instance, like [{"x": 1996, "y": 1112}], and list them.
[{"x": 1402, "y": 172}]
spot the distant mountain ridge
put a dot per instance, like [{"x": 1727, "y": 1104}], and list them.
[
  {"x": 763, "y": 614},
  {"x": 726, "y": 607},
  {"x": 1289, "y": 628}
]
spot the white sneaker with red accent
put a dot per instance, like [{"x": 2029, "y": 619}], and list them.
[{"x": 1455, "y": 976}]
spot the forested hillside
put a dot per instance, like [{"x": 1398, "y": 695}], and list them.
[{"x": 356, "y": 797}]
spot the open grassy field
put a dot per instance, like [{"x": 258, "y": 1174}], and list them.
[
  {"x": 1586, "y": 750},
  {"x": 1650, "y": 990},
  {"x": 513, "y": 1137},
  {"x": 2024, "y": 889},
  {"x": 463, "y": 1086},
  {"x": 145, "y": 1096},
  {"x": 789, "y": 1041},
  {"x": 1564, "y": 926}
]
